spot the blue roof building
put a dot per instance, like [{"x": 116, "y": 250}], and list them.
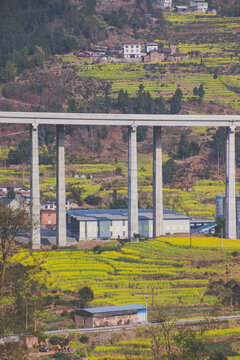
[{"x": 111, "y": 315}]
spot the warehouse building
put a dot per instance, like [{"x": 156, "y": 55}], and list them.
[
  {"x": 110, "y": 315},
  {"x": 113, "y": 223}
]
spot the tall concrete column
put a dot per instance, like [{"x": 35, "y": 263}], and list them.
[
  {"x": 231, "y": 190},
  {"x": 35, "y": 189},
  {"x": 226, "y": 186},
  {"x": 132, "y": 183},
  {"x": 157, "y": 183},
  {"x": 61, "y": 193}
]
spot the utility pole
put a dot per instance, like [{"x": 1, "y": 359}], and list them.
[{"x": 26, "y": 317}]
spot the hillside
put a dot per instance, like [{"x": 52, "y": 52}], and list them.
[
  {"x": 44, "y": 74},
  {"x": 176, "y": 278}
]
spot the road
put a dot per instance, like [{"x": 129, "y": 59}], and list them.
[
  {"x": 177, "y": 322},
  {"x": 15, "y": 338}
]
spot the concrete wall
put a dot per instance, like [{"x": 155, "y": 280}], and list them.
[
  {"x": 106, "y": 229},
  {"x": 94, "y": 321}
]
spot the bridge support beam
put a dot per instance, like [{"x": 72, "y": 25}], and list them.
[
  {"x": 35, "y": 189},
  {"x": 132, "y": 183},
  {"x": 61, "y": 192},
  {"x": 230, "y": 205},
  {"x": 157, "y": 183}
]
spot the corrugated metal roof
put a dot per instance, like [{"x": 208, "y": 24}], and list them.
[
  {"x": 122, "y": 214},
  {"x": 103, "y": 309}
]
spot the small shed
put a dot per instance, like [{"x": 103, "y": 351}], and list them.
[{"x": 110, "y": 315}]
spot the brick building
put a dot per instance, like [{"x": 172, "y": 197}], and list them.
[{"x": 48, "y": 218}]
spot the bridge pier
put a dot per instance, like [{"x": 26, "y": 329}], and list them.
[
  {"x": 157, "y": 183},
  {"x": 61, "y": 192},
  {"x": 35, "y": 188},
  {"x": 230, "y": 204},
  {"x": 132, "y": 183}
]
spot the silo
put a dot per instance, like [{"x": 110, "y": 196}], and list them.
[{"x": 220, "y": 206}]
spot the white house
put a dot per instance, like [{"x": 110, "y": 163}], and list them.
[
  {"x": 52, "y": 205},
  {"x": 165, "y": 4},
  {"x": 199, "y": 5},
  {"x": 132, "y": 51},
  {"x": 150, "y": 47}
]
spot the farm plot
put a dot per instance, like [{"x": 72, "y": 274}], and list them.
[{"x": 127, "y": 276}]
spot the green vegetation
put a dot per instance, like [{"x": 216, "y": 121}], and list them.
[{"x": 178, "y": 274}]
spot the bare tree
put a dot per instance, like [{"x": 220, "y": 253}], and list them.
[{"x": 11, "y": 222}]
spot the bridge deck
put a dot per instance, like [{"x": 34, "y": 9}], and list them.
[{"x": 118, "y": 119}]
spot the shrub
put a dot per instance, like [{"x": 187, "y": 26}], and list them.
[{"x": 83, "y": 339}]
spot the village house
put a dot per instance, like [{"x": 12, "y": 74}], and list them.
[
  {"x": 132, "y": 51},
  {"x": 48, "y": 218},
  {"x": 199, "y": 6},
  {"x": 180, "y": 9},
  {"x": 115, "y": 50},
  {"x": 52, "y": 205},
  {"x": 110, "y": 315},
  {"x": 5, "y": 187},
  {"x": 177, "y": 57},
  {"x": 154, "y": 57},
  {"x": 150, "y": 46},
  {"x": 165, "y": 4}
]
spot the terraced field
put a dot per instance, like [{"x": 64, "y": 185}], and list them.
[
  {"x": 200, "y": 201},
  {"x": 167, "y": 267},
  {"x": 167, "y": 270}
]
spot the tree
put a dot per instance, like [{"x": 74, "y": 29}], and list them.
[
  {"x": 169, "y": 171},
  {"x": 76, "y": 194},
  {"x": 38, "y": 56},
  {"x": 86, "y": 295},
  {"x": 201, "y": 91},
  {"x": 219, "y": 355},
  {"x": 191, "y": 344},
  {"x": 19, "y": 155},
  {"x": 11, "y": 222},
  {"x": 195, "y": 91},
  {"x": 93, "y": 200},
  {"x": 141, "y": 133},
  {"x": 187, "y": 149},
  {"x": 10, "y": 71},
  {"x": 176, "y": 102}
]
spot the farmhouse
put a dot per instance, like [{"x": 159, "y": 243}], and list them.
[
  {"x": 165, "y": 4},
  {"x": 113, "y": 223},
  {"x": 150, "y": 46},
  {"x": 48, "y": 218},
  {"x": 132, "y": 51},
  {"x": 110, "y": 315},
  {"x": 154, "y": 57},
  {"x": 199, "y": 6},
  {"x": 180, "y": 9}
]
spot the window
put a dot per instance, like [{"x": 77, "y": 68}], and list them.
[
  {"x": 111, "y": 223},
  {"x": 123, "y": 222},
  {"x": 132, "y": 46},
  {"x": 111, "y": 233},
  {"x": 137, "y": 46},
  {"x": 124, "y": 233},
  {"x": 49, "y": 215},
  {"x": 49, "y": 222},
  {"x": 126, "y": 46}
]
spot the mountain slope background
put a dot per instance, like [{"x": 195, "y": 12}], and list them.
[{"x": 39, "y": 71}]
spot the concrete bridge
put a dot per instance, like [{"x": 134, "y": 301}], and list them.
[{"x": 132, "y": 122}]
